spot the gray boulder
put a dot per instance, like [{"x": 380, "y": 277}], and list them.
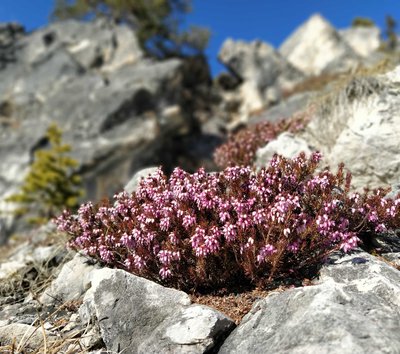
[
  {"x": 97, "y": 45},
  {"x": 297, "y": 103},
  {"x": 118, "y": 110},
  {"x": 26, "y": 338},
  {"x": 316, "y": 47},
  {"x": 354, "y": 308},
  {"x": 139, "y": 316},
  {"x": 71, "y": 283},
  {"x": 258, "y": 62}
]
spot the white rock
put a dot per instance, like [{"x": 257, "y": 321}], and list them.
[
  {"x": 362, "y": 130},
  {"x": 353, "y": 309},
  {"x": 286, "y": 144},
  {"x": 8, "y": 269},
  {"x": 196, "y": 323},
  {"x": 363, "y": 40},
  {"x": 72, "y": 282},
  {"x": 316, "y": 47}
]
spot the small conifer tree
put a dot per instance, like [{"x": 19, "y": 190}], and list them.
[
  {"x": 362, "y": 22},
  {"x": 390, "y": 31},
  {"x": 51, "y": 184}
]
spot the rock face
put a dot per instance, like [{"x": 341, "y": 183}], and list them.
[
  {"x": 362, "y": 129},
  {"x": 118, "y": 110},
  {"x": 264, "y": 73},
  {"x": 23, "y": 336},
  {"x": 260, "y": 63},
  {"x": 354, "y": 308},
  {"x": 134, "y": 182},
  {"x": 316, "y": 47}
]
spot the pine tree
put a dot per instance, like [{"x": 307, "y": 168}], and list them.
[
  {"x": 390, "y": 31},
  {"x": 51, "y": 184}
]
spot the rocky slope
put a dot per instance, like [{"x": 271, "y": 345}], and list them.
[{"x": 121, "y": 111}]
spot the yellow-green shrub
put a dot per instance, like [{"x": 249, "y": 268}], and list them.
[{"x": 51, "y": 184}]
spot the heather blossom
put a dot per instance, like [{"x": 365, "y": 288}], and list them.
[
  {"x": 241, "y": 147},
  {"x": 235, "y": 226}
]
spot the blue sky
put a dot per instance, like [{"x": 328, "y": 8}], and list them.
[{"x": 269, "y": 20}]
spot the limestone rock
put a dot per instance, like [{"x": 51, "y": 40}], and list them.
[
  {"x": 91, "y": 45},
  {"x": 354, "y": 308},
  {"x": 286, "y": 144},
  {"x": 288, "y": 108},
  {"x": 363, "y": 40},
  {"x": 72, "y": 282},
  {"x": 263, "y": 71},
  {"x": 258, "y": 62},
  {"x": 362, "y": 129},
  {"x": 316, "y": 47},
  {"x": 137, "y": 315},
  {"x": 263, "y": 75}
]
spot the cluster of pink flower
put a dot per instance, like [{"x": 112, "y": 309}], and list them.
[
  {"x": 212, "y": 229},
  {"x": 241, "y": 147}
]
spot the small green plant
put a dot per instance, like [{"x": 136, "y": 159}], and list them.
[
  {"x": 362, "y": 22},
  {"x": 390, "y": 32},
  {"x": 51, "y": 184}
]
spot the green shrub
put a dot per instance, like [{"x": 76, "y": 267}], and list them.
[
  {"x": 51, "y": 184},
  {"x": 362, "y": 22}
]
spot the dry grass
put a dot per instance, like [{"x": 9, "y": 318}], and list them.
[
  {"x": 54, "y": 341},
  {"x": 313, "y": 83},
  {"x": 351, "y": 86},
  {"x": 32, "y": 279}
]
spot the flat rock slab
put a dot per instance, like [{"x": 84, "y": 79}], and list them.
[
  {"x": 354, "y": 308},
  {"x": 136, "y": 315}
]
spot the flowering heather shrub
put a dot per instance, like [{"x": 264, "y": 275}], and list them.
[
  {"x": 234, "y": 227},
  {"x": 241, "y": 147}
]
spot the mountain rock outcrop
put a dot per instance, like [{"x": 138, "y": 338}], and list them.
[
  {"x": 261, "y": 77},
  {"x": 317, "y": 47},
  {"x": 357, "y": 125},
  {"x": 264, "y": 73},
  {"x": 118, "y": 110},
  {"x": 363, "y": 40}
]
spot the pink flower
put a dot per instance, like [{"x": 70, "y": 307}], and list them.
[{"x": 265, "y": 251}]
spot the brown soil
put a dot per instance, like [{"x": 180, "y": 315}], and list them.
[{"x": 235, "y": 305}]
